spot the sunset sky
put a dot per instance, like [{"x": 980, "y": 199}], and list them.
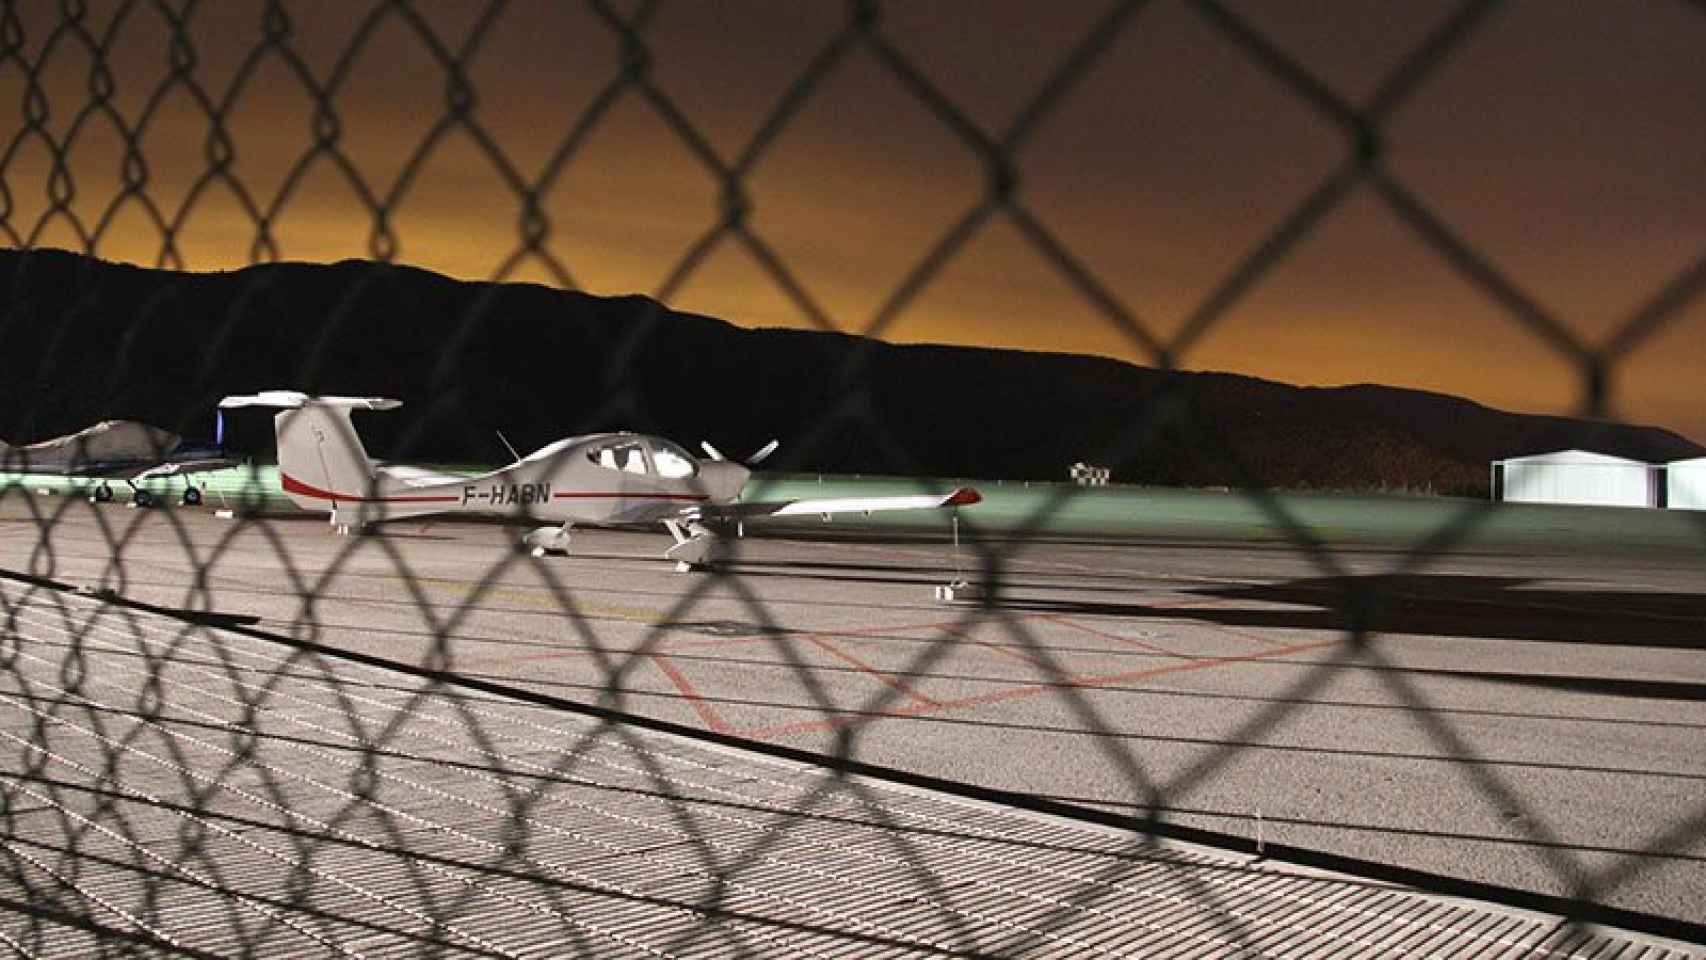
[{"x": 1564, "y": 143}]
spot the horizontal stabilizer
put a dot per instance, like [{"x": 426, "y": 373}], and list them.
[
  {"x": 175, "y": 468},
  {"x": 290, "y": 399}
]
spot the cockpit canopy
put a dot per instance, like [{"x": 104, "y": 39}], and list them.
[{"x": 645, "y": 456}]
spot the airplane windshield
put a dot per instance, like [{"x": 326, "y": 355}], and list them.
[
  {"x": 672, "y": 461},
  {"x": 628, "y": 456}
]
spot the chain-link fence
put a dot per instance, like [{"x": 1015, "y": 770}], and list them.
[{"x": 243, "y": 734}]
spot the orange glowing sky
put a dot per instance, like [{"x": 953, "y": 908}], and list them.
[{"x": 1564, "y": 143}]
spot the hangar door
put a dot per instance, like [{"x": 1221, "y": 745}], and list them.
[{"x": 1579, "y": 477}]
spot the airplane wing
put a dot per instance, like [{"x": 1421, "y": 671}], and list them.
[
  {"x": 699, "y": 548},
  {"x": 828, "y": 506},
  {"x": 179, "y": 467}
]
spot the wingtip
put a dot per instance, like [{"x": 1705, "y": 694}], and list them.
[{"x": 963, "y": 497}]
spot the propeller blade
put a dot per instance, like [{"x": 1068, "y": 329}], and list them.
[
  {"x": 711, "y": 451},
  {"x": 762, "y": 452}
]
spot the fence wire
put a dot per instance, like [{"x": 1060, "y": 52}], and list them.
[{"x": 197, "y": 719}]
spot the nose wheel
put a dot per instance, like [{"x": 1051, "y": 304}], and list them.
[{"x": 696, "y": 547}]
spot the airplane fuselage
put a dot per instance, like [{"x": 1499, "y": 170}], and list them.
[
  {"x": 603, "y": 478},
  {"x": 596, "y": 479}
]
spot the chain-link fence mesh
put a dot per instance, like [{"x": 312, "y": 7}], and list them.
[{"x": 401, "y": 698}]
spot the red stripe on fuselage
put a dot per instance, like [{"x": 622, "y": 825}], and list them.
[
  {"x": 293, "y": 485},
  {"x": 631, "y": 496}
]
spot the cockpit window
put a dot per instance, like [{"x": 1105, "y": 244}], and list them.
[
  {"x": 628, "y": 456},
  {"x": 672, "y": 461}
]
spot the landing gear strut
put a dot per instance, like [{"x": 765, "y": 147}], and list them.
[{"x": 696, "y": 548}]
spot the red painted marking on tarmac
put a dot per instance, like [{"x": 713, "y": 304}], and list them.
[
  {"x": 875, "y": 633},
  {"x": 1242, "y": 635},
  {"x": 1018, "y": 693},
  {"x": 712, "y": 643},
  {"x": 713, "y": 722},
  {"x": 1106, "y": 635},
  {"x": 703, "y": 643},
  {"x": 881, "y": 677},
  {"x": 1023, "y": 658}
]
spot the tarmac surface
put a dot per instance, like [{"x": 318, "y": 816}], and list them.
[{"x": 1529, "y": 719}]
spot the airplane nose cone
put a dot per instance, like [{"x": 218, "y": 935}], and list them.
[{"x": 723, "y": 480}]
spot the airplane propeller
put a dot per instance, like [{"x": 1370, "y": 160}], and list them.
[
  {"x": 757, "y": 457},
  {"x": 762, "y": 452}
]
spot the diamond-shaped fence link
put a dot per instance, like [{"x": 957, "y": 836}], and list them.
[{"x": 255, "y": 737}]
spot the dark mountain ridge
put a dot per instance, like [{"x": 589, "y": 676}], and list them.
[{"x": 83, "y": 340}]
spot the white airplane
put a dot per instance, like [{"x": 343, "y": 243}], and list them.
[{"x": 602, "y": 478}]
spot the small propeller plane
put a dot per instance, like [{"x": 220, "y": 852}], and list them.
[
  {"x": 121, "y": 450},
  {"x": 598, "y": 479}
]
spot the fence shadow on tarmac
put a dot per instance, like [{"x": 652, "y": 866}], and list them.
[{"x": 196, "y": 744}]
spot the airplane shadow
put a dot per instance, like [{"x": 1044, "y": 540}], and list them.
[
  {"x": 1470, "y": 607},
  {"x": 1605, "y": 686}
]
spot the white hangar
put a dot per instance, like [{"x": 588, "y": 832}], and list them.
[
  {"x": 1685, "y": 484},
  {"x": 1579, "y": 477}
]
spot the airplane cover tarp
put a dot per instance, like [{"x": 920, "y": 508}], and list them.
[{"x": 105, "y": 442}]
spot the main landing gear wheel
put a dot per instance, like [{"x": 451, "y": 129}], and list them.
[
  {"x": 544, "y": 541},
  {"x": 192, "y": 497}
]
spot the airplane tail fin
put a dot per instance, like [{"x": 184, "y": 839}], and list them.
[{"x": 321, "y": 461}]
